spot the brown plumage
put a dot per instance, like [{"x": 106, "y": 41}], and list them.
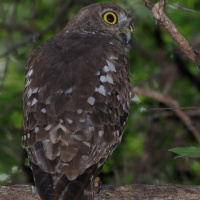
[{"x": 76, "y": 101}]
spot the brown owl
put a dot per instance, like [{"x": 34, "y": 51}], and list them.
[{"x": 76, "y": 101}]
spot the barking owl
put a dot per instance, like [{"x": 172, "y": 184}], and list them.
[{"x": 76, "y": 101}]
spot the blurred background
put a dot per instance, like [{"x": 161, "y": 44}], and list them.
[{"x": 156, "y": 66}]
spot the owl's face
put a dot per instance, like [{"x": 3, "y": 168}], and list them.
[{"x": 107, "y": 17}]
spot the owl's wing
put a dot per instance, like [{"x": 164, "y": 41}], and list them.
[{"x": 76, "y": 100}]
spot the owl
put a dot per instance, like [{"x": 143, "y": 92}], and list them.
[{"x": 76, "y": 101}]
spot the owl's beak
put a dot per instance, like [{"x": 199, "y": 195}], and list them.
[{"x": 125, "y": 36}]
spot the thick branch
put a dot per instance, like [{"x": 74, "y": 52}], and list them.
[
  {"x": 111, "y": 192},
  {"x": 160, "y": 16},
  {"x": 172, "y": 104}
]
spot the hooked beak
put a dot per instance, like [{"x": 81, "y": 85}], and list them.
[{"x": 125, "y": 36}]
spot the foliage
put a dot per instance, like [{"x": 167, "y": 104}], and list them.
[
  {"x": 187, "y": 151},
  {"x": 156, "y": 64}
]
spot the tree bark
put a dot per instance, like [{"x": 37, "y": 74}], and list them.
[
  {"x": 111, "y": 192},
  {"x": 160, "y": 16}
]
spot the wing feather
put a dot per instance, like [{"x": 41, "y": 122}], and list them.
[{"x": 74, "y": 103}]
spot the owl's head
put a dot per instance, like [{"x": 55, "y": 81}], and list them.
[{"x": 104, "y": 17}]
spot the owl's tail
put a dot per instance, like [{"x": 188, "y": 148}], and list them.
[
  {"x": 61, "y": 188},
  {"x": 43, "y": 182},
  {"x": 79, "y": 189}
]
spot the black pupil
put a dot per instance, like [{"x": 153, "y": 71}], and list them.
[{"x": 110, "y": 18}]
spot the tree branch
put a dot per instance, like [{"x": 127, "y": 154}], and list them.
[
  {"x": 111, "y": 192},
  {"x": 182, "y": 8},
  {"x": 160, "y": 16},
  {"x": 172, "y": 104}
]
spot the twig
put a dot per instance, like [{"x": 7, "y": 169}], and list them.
[
  {"x": 39, "y": 33},
  {"x": 180, "y": 108},
  {"x": 160, "y": 16},
  {"x": 194, "y": 115},
  {"x": 170, "y": 103},
  {"x": 182, "y": 8}
]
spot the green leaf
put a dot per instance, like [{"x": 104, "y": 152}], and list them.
[{"x": 187, "y": 151}]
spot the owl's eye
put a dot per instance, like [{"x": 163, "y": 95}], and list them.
[{"x": 110, "y": 18}]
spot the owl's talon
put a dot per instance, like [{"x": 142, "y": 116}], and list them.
[{"x": 97, "y": 185}]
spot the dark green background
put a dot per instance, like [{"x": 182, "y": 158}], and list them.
[{"x": 156, "y": 63}]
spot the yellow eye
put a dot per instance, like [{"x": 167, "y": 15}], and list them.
[{"x": 110, "y": 18}]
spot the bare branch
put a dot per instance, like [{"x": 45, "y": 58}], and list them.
[
  {"x": 182, "y": 8},
  {"x": 111, "y": 192},
  {"x": 170, "y": 103},
  {"x": 160, "y": 16},
  {"x": 180, "y": 108},
  {"x": 195, "y": 115}
]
